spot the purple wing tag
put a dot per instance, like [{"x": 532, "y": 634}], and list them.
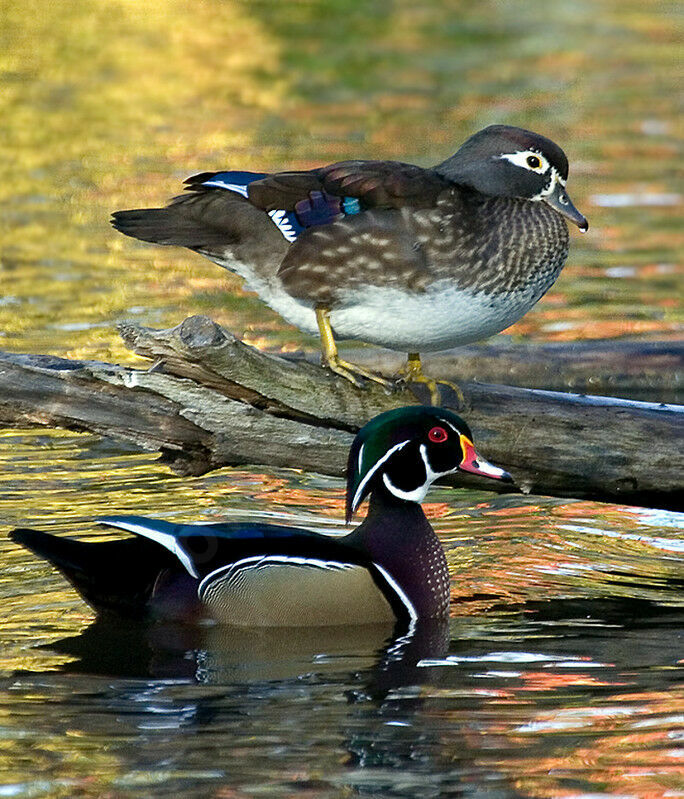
[{"x": 320, "y": 208}]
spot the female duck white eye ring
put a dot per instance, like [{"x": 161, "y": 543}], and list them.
[{"x": 524, "y": 158}]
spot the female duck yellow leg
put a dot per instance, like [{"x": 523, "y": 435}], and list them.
[
  {"x": 333, "y": 361},
  {"x": 412, "y": 372}
]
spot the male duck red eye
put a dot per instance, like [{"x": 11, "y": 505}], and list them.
[{"x": 438, "y": 435}]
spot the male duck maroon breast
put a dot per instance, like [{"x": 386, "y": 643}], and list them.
[
  {"x": 389, "y": 253},
  {"x": 391, "y": 567}
]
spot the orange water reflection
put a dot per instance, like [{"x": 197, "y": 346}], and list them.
[
  {"x": 548, "y": 549},
  {"x": 626, "y": 761}
]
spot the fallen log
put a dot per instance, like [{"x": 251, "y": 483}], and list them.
[{"x": 210, "y": 401}]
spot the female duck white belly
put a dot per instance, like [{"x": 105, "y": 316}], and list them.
[{"x": 443, "y": 316}]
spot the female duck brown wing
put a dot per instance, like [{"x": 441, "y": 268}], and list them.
[{"x": 376, "y": 184}]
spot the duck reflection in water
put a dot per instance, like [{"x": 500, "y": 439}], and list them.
[{"x": 381, "y": 657}]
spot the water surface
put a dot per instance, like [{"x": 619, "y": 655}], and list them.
[{"x": 559, "y": 673}]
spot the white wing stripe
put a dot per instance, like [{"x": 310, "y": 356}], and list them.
[
  {"x": 222, "y": 184},
  {"x": 281, "y": 222},
  {"x": 279, "y": 217},
  {"x": 165, "y": 539}
]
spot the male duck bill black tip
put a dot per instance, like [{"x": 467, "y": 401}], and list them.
[
  {"x": 391, "y": 567},
  {"x": 413, "y": 259}
]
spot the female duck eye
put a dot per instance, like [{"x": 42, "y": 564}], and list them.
[
  {"x": 533, "y": 162},
  {"x": 438, "y": 435}
]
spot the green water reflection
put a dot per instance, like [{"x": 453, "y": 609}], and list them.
[{"x": 558, "y": 675}]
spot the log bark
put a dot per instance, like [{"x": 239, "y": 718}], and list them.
[{"x": 209, "y": 401}]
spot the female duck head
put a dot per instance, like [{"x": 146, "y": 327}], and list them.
[
  {"x": 504, "y": 161},
  {"x": 407, "y": 449}
]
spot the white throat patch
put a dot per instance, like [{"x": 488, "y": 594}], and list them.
[{"x": 555, "y": 180}]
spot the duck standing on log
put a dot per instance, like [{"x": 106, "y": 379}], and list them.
[
  {"x": 391, "y": 568},
  {"x": 389, "y": 253}
]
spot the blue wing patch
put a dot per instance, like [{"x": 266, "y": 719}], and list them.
[
  {"x": 234, "y": 181},
  {"x": 319, "y": 208}
]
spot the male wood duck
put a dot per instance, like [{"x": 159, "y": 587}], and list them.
[
  {"x": 390, "y": 568},
  {"x": 389, "y": 253}
]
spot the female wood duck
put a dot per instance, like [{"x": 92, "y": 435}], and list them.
[
  {"x": 391, "y": 567},
  {"x": 407, "y": 258}
]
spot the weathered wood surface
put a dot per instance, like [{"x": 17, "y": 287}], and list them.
[{"x": 212, "y": 401}]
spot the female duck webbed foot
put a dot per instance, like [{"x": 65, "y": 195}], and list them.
[
  {"x": 353, "y": 372},
  {"x": 330, "y": 358},
  {"x": 412, "y": 372}
]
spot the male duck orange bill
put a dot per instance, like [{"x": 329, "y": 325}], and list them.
[
  {"x": 410, "y": 258},
  {"x": 391, "y": 567}
]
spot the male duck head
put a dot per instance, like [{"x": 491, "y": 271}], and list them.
[
  {"x": 504, "y": 161},
  {"x": 404, "y": 451}
]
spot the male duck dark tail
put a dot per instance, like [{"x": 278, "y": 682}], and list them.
[
  {"x": 391, "y": 567},
  {"x": 117, "y": 575}
]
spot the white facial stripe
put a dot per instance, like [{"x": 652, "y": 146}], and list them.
[
  {"x": 418, "y": 493},
  {"x": 520, "y": 159},
  {"x": 371, "y": 472}
]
